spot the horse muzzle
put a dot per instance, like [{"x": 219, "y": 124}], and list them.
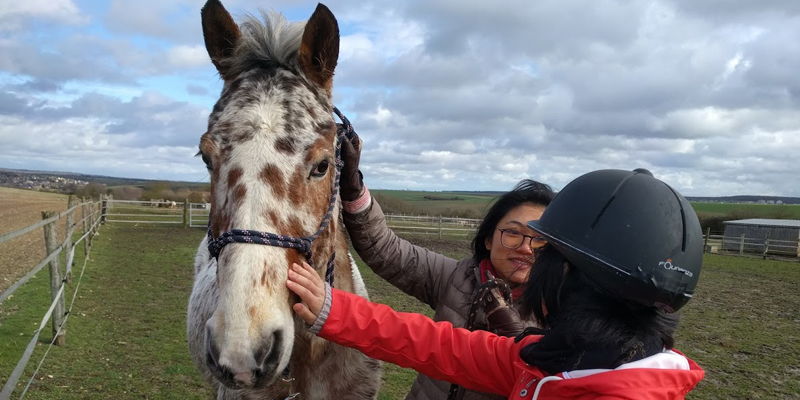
[{"x": 237, "y": 369}]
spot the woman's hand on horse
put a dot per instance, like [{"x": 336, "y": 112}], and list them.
[
  {"x": 306, "y": 283},
  {"x": 351, "y": 182}
]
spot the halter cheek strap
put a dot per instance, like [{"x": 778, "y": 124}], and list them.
[{"x": 301, "y": 244}]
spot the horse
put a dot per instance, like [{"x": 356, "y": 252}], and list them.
[{"x": 272, "y": 152}]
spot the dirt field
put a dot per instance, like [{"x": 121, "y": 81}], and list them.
[{"x": 18, "y": 209}]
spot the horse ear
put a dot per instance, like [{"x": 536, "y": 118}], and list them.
[
  {"x": 220, "y": 33},
  {"x": 319, "y": 51}
]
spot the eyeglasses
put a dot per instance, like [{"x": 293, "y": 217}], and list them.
[{"x": 512, "y": 239}]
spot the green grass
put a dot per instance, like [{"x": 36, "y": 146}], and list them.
[
  {"x": 471, "y": 203},
  {"x": 781, "y": 211},
  {"x": 126, "y": 336},
  {"x": 743, "y": 328}
]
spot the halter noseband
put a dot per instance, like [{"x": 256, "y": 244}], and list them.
[{"x": 301, "y": 244}]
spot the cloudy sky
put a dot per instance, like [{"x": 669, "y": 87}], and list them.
[{"x": 446, "y": 94}]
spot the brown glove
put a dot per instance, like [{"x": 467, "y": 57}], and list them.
[
  {"x": 502, "y": 319},
  {"x": 351, "y": 183}
]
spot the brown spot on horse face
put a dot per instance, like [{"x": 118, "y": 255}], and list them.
[
  {"x": 293, "y": 257},
  {"x": 264, "y": 276},
  {"x": 298, "y": 184},
  {"x": 273, "y": 218},
  {"x": 252, "y": 312},
  {"x": 294, "y": 227},
  {"x": 233, "y": 177},
  {"x": 326, "y": 128},
  {"x": 273, "y": 177},
  {"x": 239, "y": 194},
  {"x": 286, "y": 145}
]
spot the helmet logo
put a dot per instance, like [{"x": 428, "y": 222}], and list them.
[{"x": 669, "y": 266}]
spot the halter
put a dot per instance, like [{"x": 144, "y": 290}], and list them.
[{"x": 301, "y": 244}]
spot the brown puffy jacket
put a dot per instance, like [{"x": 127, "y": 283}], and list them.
[{"x": 448, "y": 286}]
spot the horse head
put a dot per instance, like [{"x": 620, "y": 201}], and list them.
[{"x": 270, "y": 151}]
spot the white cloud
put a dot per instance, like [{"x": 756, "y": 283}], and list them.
[
  {"x": 185, "y": 57},
  {"x": 14, "y": 13},
  {"x": 446, "y": 94}
]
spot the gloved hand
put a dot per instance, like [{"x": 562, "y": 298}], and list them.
[
  {"x": 351, "y": 183},
  {"x": 501, "y": 318}
]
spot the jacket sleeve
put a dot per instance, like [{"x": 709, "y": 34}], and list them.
[
  {"x": 415, "y": 270},
  {"x": 476, "y": 360}
]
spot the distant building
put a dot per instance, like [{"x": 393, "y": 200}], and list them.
[{"x": 784, "y": 235}]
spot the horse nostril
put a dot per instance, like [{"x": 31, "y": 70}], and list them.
[
  {"x": 212, "y": 353},
  {"x": 268, "y": 355}
]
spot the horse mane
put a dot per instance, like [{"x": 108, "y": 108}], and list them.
[{"x": 270, "y": 41}]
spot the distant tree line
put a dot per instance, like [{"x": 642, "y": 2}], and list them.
[
  {"x": 439, "y": 198},
  {"x": 149, "y": 191}
]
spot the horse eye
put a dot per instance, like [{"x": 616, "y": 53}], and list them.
[
  {"x": 207, "y": 160},
  {"x": 320, "y": 170}
]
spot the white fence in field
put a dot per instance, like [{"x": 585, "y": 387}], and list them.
[
  {"x": 742, "y": 245},
  {"x": 434, "y": 225},
  {"x": 195, "y": 215},
  {"x": 186, "y": 214}
]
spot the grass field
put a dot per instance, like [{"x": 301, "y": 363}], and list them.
[
  {"x": 474, "y": 205},
  {"x": 126, "y": 336},
  {"x": 469, "y": 205},
  {"x": 782, "y": 211}
]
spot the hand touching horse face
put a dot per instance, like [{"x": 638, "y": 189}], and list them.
[{"x": 270, "y": 149}]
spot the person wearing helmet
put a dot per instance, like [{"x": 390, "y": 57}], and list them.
[{"x": 624, "y": 254}]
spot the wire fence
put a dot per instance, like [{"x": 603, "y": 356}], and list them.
[{"x": 91, "y": 217}]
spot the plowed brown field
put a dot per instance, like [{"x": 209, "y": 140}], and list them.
[{"x": 18, "y": 209}]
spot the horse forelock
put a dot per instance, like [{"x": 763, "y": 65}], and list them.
[{"x": 270, "y": 40}]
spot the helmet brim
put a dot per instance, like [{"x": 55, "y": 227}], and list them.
[{"x": 615, "y": 281}]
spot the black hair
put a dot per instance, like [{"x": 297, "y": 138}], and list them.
[
  {"x": 526, "y": 191},
  {"x": 588, "y": 317}
]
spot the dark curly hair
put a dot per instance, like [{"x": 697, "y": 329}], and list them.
[{"x": 527, "y": 191}]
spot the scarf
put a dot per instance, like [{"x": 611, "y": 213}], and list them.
[{"x": 487, "y": 266}]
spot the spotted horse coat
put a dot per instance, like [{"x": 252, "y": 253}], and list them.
[{"x": 269, "y": 149}]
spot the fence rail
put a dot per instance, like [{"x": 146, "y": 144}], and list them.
[
  {"x": 91, "y": 217},
  {"x": 195, "y": 215},
  {"x": 741, "y": 245}
]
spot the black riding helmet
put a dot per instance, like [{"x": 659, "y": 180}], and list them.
[{"x": 631, "y": 235}]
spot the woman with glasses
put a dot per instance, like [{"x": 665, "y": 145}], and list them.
[
  {"x": 624, "y": 254},
  {"x": 481, "y": 292}
]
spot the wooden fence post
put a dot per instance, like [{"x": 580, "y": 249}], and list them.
[
  {"x": 741, "y": 246},
  {"x": 103, "y": 208},
  {"x": 705, "y": 242},
  {"x": 68, "y": 237},
  {"x": 766, "y": 246},
  {"x": 92, "y": 227},
  {"x": 51, "y": 244},
  {"x": 84, "y": 217},
  {"x": 185, "y": 213},
  {"x": 440, "y": 226}
]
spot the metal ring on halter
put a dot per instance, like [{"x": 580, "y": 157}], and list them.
[{"x": 302, "y": 244}]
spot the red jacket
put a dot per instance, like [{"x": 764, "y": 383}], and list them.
[{"x": 483, "y": 361}]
